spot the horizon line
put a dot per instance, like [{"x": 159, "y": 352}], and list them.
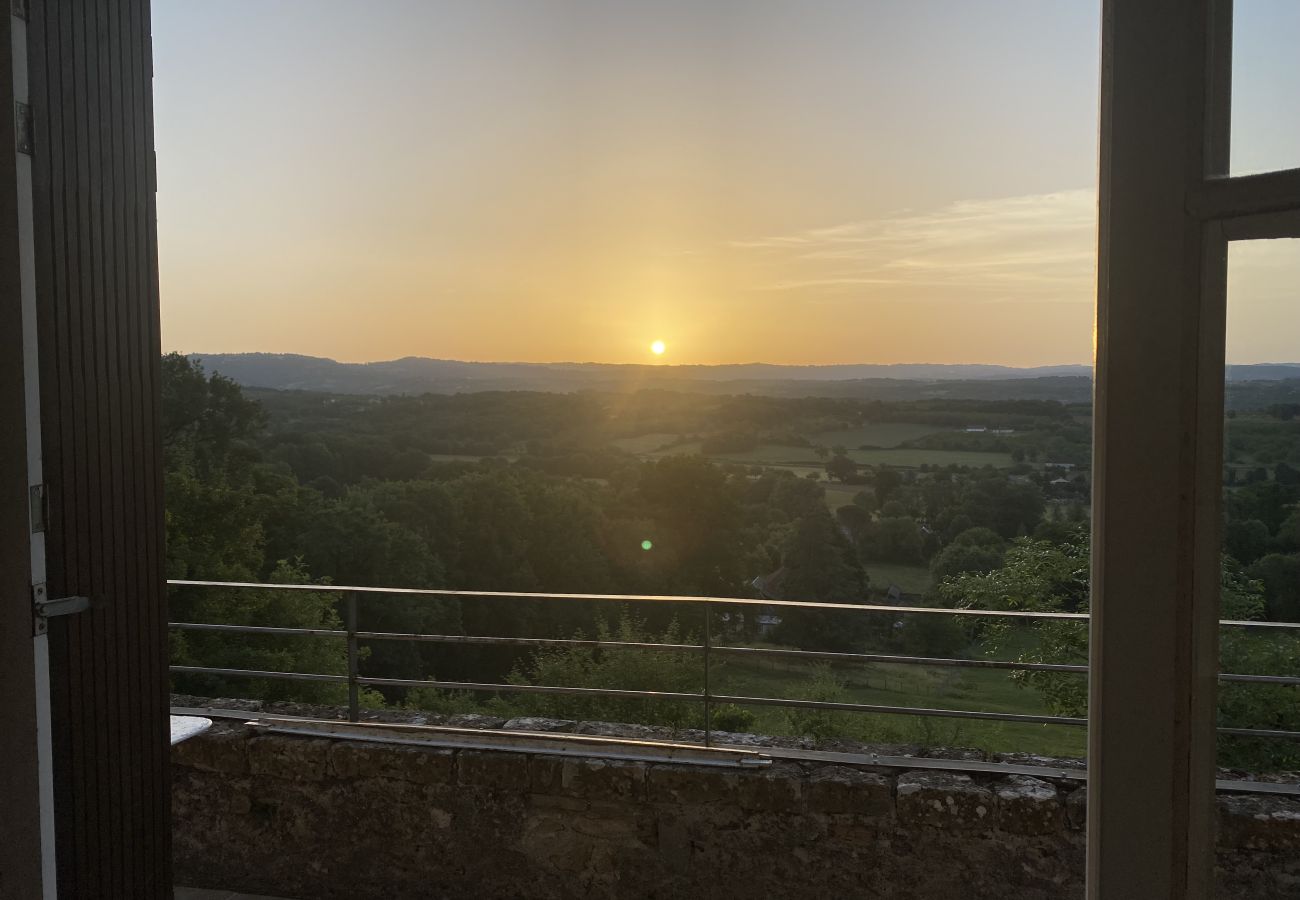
[{"x": 668, "y": 365}]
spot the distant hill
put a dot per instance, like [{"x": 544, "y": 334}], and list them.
[{"x": 417, "y": 375}]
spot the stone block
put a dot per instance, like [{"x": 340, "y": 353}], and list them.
[
  {"x": 619, "y": 730},
  {"x": 487, "y": 768},
  {"x": 845, "y": 746},
  {"x": 840, "y": 789},
  {"x": 1028, "y": 805},
  {"x": 298, "y": 759},
  {"x": 474, "y": 720},
  {"x": 689, "y": 785},
  {"x": 739, "y": 739},
  {"x": 218, "y": 750},
  {"x": 960, "y": 754},
  {"x": 674, "y": 843},
  {"x": 1259, "y": 822},
  {"x": 536, "y": 723},
  {"x": 1067, "y": 763},
  {"x": 588, "y": 778},
  {"x": 944, "y": 800},
  {"x": 189, "y": 701},
  {"x": 774, "y": 788},
  {"x": 1076, "y": 808},
  {"x": 417, "y": 765}
]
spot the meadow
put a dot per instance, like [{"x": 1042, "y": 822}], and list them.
[
  {"x": 877, "y": 434},
  {"x": 804, "y": 460},
  {"x": 906, "y": 686},
  {"x": 910, "y": 579}
]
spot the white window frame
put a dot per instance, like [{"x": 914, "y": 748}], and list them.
[{"x": 1168, "y": 208}]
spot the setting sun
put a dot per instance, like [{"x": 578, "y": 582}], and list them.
[{"x": 658, "y": 348}]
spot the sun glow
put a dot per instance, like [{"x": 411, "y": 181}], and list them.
[{"x": 658, "y": 348}]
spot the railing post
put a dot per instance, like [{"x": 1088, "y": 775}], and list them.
[
  {"x": 708, "y": 697},
  {"x": 350, "y": 613}
]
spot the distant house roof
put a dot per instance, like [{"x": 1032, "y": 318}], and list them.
[{"x": 772, "y": 587}]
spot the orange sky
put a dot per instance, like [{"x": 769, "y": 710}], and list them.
[{"x": 833, "y": 181}]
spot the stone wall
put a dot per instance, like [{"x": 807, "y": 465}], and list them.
[{"x": 315, "y": 817}]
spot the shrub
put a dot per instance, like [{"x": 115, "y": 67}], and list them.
[
  {"x": 825, "y": 686},
  {"x": 613, "y": 668},
  {"x": 447, "y": 703},
  {"x": 730, "y": 717}
]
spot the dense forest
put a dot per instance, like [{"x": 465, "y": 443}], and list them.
[{"x": 932, "y": 502}]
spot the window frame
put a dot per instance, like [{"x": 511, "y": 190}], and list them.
[{"x": 1167, "y": 210}]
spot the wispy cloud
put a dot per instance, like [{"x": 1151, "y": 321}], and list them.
[{"x": 1040, "y": 246}]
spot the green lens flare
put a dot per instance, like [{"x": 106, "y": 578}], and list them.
[{"x": 646, "y": 545}]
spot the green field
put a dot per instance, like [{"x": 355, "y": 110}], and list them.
[
  {"x": 459, "y": 457},
  {"x": 805, "y": 457},
  {"x": 838, "y": 495},
  {"x": 648, "y": 443},
  {"x": 909, "y": 686},
  {"x": 801, "y": 460},
  {"x": 883, "y": 434},
  {"x": 794, "y": 458},
  {"x": 911, "y": 458},
  {"x": 910, "y": 579}
]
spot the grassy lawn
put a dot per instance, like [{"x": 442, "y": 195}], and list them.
[
  {"x": 802, "y": 460},
  {"x": 883, "y": 434},
  {"x": 911, "y": 458},
  {"x": 804, "y": 457},
  {"x": 459, "y": 457},
  {"x": 838, "y": 495},
  {"x": 676, "y": 447},
  {"x": 773, "y": 454},
  {"x": 910, "y": 579},
  {"x": 908, "y": 686},
  {"x": 647, "y": 443}
]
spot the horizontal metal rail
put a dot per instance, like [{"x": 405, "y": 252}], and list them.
[
  {"x": 830, "y": 656},
  {"x": 257, "y": 629},
  {"x": 662, "y": 695},
  {"x": 672, "y": 598},
  {"x": 1261, "y": 679},
  {"x": 634, "y": 598},
  {"x": 896, "y": 659},
  {"x": 1261, "y": 733},
  {"x": 529, "y": 689},
  {"x": 433, "y": 638},
  {"x": 258, "y": 673},
  {"x": 826, "y": 655},
  {"x": 523, "y": 642},
  {"x": 833, "y": 706}
]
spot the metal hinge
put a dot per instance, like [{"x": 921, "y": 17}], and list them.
[
  {"x": 38, "y": 507},
  {"x": 45, "y": 607},
  {"x": 23, "y": 126}
]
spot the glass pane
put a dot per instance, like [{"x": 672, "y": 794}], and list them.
[
  {"x": 767, "y": 302},
  {"x": 1261, "y": 492},
  {"x": 1265, "y": 86}
]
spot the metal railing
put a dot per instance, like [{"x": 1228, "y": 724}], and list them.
[{"x": 354, "y": 680}]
